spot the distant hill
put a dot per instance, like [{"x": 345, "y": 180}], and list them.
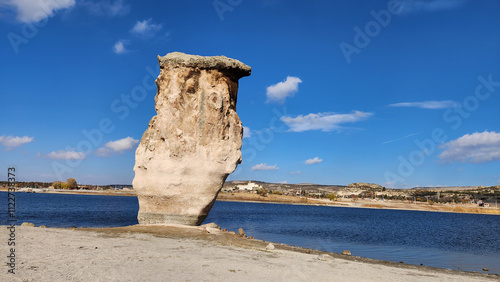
[
  {"x": 446, "y": 188},
  {"x": 309, "y": 187}
]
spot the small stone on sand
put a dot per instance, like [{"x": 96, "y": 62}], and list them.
[
  {"x": 241, "y": 233},
  {"x": 270, "y": 247},
  {"x": 325, "y": 257},
  {"x": 211, "y": 225}
]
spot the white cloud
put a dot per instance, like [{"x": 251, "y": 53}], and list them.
[
  {"x": 12, "y": 142},
  {"x": 473, "y": 148},
  {"x": 31, "y": 11},
  {"x": 118, "y": 146},
  {"x": 119, "y": 47},
  {"x": 264, "y": 166},
  {"x": 295, "y": 172},
  {"x": 322, "y": 121},
  {"x": 247, "y": 132},
  {"x": 432, "y": 105},
  {"x": 125, "y": 144},
  {"x": 65, "y": 155},
  {"x": 315, "y": 160},
  {"x": 106, "y": 8},
  {"x": 145, "y": 28},
  {"x": 415, "y": 6},
  {"x": 277, "y": 93},
  {"x": 283, "y": 182}
]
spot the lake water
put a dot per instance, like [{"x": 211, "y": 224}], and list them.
[{"x": 468, "y": 242}]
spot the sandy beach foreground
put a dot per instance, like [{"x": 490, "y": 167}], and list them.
[{"x": 177, "y": 253}]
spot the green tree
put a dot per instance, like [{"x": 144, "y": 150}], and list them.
[
  {"x": 263, "y": 192},
  {"x": 56, "y": 185},
  {"x": 331, "y": 196},
  {"x": 64, "y": 185},
  {"x": 72, "y": 183}
]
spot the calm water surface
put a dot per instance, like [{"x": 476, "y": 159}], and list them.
[{"x": 457, "y": 241}]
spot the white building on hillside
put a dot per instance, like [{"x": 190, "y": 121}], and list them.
[{"x": 250, "y": 186}]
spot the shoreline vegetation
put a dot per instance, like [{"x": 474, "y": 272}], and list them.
[
  {"x": 153, "y": 252},
  {"x": 360, "y": 203},
  {"x": 302, "y": 200}
]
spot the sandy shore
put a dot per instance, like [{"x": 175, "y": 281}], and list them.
[
  {"x": 395, "y": 205},
  {"x": 175, "y": 253}
]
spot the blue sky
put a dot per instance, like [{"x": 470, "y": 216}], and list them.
[{"x": 399, "y": 93}]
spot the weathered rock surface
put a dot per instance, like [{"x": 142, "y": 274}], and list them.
[
  {"x": 211, "y": 225},
  {"x": 213, "y": 228},
  {"x": 194, "y": 141},
  {"x": 346, "y": 252},
  {"x": 241, "y": 232},
  {"x": 270, "y": 247}
]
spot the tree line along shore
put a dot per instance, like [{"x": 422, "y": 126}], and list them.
[{"x": 470, "y": 199}]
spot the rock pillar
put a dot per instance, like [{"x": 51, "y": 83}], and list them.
[{"x": 194, "y": 141}]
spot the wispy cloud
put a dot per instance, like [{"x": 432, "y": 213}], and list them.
[
  {"x": 145, "y": 28},
  {"x": 431, "y": 105},
  {"x": 106, "y": 8},
  {"x": 118, "y": 146},
  {"x": 399, "y": 139},
  {"x": 322, "y": 121},
  {"x": 429, "y": 6},
  {"x": 11, "y": 142},
  {"x": 119, "y": 47},
  {"x": 264, "y": 166},
  {"x": 277, "y": 93},
  {"x": 28, "y": 11},
  {"x": 473, "y": 148},
  {"x": 295, "y": 172},
  {"x": 247, "y": 132},
  {"x": 64, "y": 155},
  {"x": 314, "y": 160}
]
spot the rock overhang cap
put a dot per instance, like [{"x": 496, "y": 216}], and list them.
[{"x": 221, "y": 63}]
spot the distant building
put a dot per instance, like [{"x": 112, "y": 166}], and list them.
[{"x": 250, "y": 186}]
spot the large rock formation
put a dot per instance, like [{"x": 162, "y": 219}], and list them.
[{"x": 194, "y": 141}]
